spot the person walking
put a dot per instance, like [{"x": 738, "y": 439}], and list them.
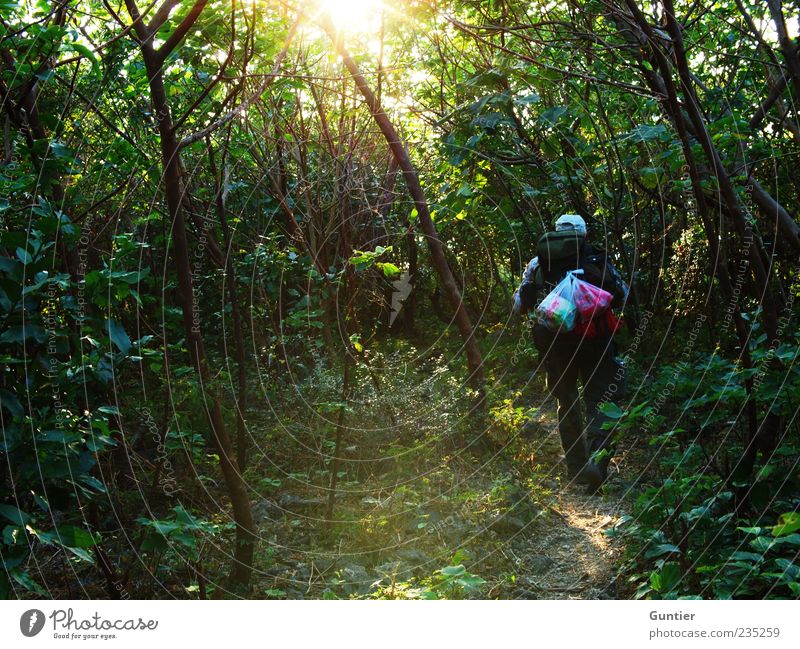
[{"x": 585, "y": 354}]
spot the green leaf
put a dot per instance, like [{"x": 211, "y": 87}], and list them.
[
  {"x": 75, "y": 539},
  {"x": 72, "y": 536},
  {"x": 131, "y": 277},
  {"x": 12, "y": 534},
  {"x": 185, "y": 518},
  {"x": 470, "y": 582},
  {"x": 465, "y": 190},
  {"x": 14, "y": 514},
  {"x": 751, "y": 530},
  {"x": 787, "y": 524},
  {"x": 762, "y": 544},
  {"x": 58, "y": 436},
  {"x": 118, "y": 336},
  {"x": 389, "y": 269},
  {"x": 27, "y": 582},
  {"x": 24, "y": 256},
  {"x": 11, "y": 267},
  {"x": 666, "y": 579},
  {"x": 454, "y": 571},
  {"x": 94, "y": 483},
  {"x": 650, "y": 176},
  {"x": 527, "y": 99},
  {"x": 552, "y": 115},
  {"x": 646, "y": 133},
  {"x": 10, "y": 402},
  {"x": 18, "y": 333},
  {"x": 662, "y": 549},
  {"x": 165, "y": 528},
  {"x": 84, "y": 51},
  {"x": 611, "y": 409}
]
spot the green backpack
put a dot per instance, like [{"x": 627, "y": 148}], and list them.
[
  {"x": 558, "y": 253},
  {"x": 567, "y": 250}
]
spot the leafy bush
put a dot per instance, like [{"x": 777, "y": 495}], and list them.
[
  {"x": 701, "y": 528},
  {"x": 449, "y": 582},
  {"x": 55, "y": 349}
]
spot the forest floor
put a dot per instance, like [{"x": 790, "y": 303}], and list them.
[
  {"x": 507, "y": 527},
  {"x": 572, "y": 557}
]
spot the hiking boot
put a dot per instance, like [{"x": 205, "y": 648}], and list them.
[
  {"x": 597, "y": 474},
  {"x": 584, "y": 475}
]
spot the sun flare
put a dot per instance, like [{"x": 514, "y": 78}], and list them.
[{"x": 354, "y": 15}]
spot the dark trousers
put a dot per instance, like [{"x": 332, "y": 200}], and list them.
[{"x": 567, "y": 358}]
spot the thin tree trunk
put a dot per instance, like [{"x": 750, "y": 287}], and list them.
[
  {"x": 337, "y": 449},
  {"x": 474, "y": 358},
  {"x": 787, "y": 45},
  {"x": 237, "y": 490},
  {"x": 746, "y": 232},
  {"x": 236, "y": 314}
]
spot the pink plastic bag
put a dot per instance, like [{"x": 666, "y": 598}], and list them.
[{"x": 589, "y": 299}]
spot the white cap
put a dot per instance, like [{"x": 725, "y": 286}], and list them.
[{"x": 571, "y": 222}]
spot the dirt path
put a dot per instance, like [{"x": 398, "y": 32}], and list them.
[
  {"x": 570, "y": 557},
  {"x": 516, "y": 522}
]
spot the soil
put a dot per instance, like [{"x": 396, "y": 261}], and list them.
[{"x": 571, "y": 557}]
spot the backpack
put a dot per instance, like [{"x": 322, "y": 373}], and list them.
[
  {"x": 567, "y": 250},
  {"x": 562, "y": 251}
]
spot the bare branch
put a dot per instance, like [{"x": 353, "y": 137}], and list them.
[
  {"x": 162, "y": 15},
  {"x": 220, "y": 73},
  {"x": 138, "y": 21},
  {"x": 181, "y": 30},
  {"x": 199, "y": 135}
]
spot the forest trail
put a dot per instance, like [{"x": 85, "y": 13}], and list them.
[
  {"x": 513, "y": 521},
  {"x": 571, "y": 557}
]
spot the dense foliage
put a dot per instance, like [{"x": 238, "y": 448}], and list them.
[{"x": 256, "y": 267}]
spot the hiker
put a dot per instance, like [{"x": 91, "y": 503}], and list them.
[{"x": 585, "y": 353}]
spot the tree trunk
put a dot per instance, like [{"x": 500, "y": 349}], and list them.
[
  {"x": 237, "y": 490},
  {"x": 448, "y": 282},
  {"x": 236, "y": 313}
]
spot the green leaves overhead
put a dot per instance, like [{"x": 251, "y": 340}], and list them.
[
  {"x": 87, "y": 53},
  {"x": 366, "y": 259},
  {"x": 651, "y": 177},
  {"x": 646, "y": 133}
]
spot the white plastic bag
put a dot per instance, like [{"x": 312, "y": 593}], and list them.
[
  {"x": 557, "y": 311},
  {"x": 571, "y": 302}
]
